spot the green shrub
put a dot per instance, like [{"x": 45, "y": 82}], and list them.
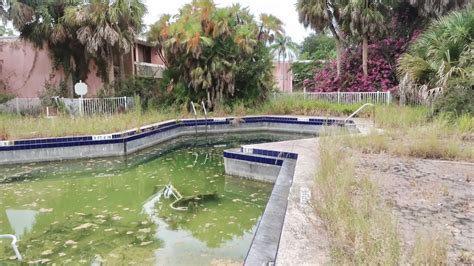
[
  {"x": 5, "y": 97},
  {"x": 458, "y": 100}
]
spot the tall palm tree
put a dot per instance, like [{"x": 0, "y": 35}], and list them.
[
  {"x": 107, "y": 28},
  {"x": 323, "y": 15},
  {"x": 270, "y": 27},
  {"x": 284, "y": 47},
  {"x": 364, "y": 18}
]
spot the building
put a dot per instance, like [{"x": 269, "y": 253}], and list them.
[
  {"x": 283, "y": 76},
  {"x": 25, "y": 69}
]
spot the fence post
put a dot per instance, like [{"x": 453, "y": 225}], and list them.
[
  {"x": 338, "y": 97},
  {"x": 304, "y": 92},
  {"x": 388, "y": 97},
  {"x": 125, "y": 98},
  {"x": 17, "y": 105}
]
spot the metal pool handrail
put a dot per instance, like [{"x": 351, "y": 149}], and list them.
[
  {"x": 193, "y": 108},
  {"x": 205, "y": 113},
  {"x": 15, "y": 248},
  {"x": 360, "y": 109}
]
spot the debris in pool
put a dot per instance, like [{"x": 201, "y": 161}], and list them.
[
  {"x": 220, "y": 145},
  {"x": 45, "y": 210},
  {"x": 84, "y": 226},
  {"x": 70, "y": 242}
]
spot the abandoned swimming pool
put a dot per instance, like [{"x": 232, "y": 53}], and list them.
[{"x": 106, "y": 209}]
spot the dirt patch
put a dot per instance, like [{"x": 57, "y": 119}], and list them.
[{"x": 426, "y": 194}]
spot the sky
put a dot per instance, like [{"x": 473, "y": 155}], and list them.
[{"x": 283, "y": 9}]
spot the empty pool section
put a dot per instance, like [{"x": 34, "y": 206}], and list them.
[{"x": 123, "y": 143}]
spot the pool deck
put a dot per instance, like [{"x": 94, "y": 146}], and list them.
[{"x": 304, "y": 239}]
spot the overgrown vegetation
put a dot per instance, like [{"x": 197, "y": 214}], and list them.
[
  {"x": 16, "y": 127},
  {"x": 411, "y": 131},
  {"x": 439, "y": 60},
  {"x": 217, "y": 54},
  {"x": 361, "y": 228}
]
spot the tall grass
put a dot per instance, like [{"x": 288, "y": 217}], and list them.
[
  {"x": 410, "y": 131},
  {"x": 18, "y": 127},
  {"x": 361, "y": 228},
  {"x": 431, "y": 248}
]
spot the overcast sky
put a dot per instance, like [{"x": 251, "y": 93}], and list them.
[{"x": 283, "y": 9}]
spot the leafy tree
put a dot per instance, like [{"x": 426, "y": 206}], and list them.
[
  {"x": 4, "y": 31},
  {"x": 322, "y": 16},
  {"x": 207, "y": 48},
  {"x": 442, "y": 57},
  {"x": 318, "y": 47}
]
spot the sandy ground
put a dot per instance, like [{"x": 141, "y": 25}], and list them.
[{"x": 426, "y": 196}]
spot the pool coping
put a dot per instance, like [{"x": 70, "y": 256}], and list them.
[{"x": 129, "y": 141}]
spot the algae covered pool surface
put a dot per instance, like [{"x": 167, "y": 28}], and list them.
[{"x": 107, "y": 210}]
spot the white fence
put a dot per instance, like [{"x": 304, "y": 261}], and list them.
[
  {"x": 76, "y": 106},
  {"x": 339, "y": 97}
]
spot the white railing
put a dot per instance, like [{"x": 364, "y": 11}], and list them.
[
  {"x": 72, "y": 106},
  {"x": 143, "y": 69},
  {"x": 98, "y": 106},
  {"x": 339, "y": 97}
]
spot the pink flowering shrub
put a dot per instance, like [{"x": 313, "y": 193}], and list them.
[
  {"x": 382, "y": 57},
  {"x": 382, "y": 60}
]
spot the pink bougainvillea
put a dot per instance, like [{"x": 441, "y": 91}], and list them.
[
  {"x": 382, "y": 57},
  {"x": 381, "y": 65}
]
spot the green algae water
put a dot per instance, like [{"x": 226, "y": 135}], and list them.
[{"x": 106, "y": 211}]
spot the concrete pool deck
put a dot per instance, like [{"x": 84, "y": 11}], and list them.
[{"x": 303, "y": 239}]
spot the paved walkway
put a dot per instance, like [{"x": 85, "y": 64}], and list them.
[{"x": 303, "y": 240}]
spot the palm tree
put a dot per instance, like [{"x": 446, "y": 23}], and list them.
[
  {"x": 106, "y": 28},
  {"x": 441, "y": 57},
  {"x": 270, "y": 27},
  {"x": 364, "y": 18},
  {"x": 41, "y": 22},
  {"x": 284, "y": 47},
  {"x": 322, "y": 15},
  {"x": 435, "y": 8}
]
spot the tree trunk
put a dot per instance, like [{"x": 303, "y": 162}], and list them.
[
  {"x": 121, "y": 67},
  {"x": 338, "y": 56},
  {"x": 111, "y": 74},
  {"x": 365, "y": 49}
]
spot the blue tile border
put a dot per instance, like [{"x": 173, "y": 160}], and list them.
[
  {"x": 253, "y": 158},
  {"x": 130, "y": 135}
]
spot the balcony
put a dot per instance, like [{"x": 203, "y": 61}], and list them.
[{"x": 148, "y": 70}]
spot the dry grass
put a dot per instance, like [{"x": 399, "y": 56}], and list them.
[
  {"x": 407, "y": 131},
  {"x": 20, "y": 127},
  {"x": 430, "y": 248},
  {"x": 361, "y": 228}
]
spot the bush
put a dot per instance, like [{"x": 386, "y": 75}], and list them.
[
  {"x": 458, "y": 101},
  {"x": 5, "y": 97}
]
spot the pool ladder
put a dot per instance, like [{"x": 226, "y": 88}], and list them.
[
  {"x": 359, "y": 110},
  {"x": 15, "y": 248},
  {"x": 193, "y": 109}
]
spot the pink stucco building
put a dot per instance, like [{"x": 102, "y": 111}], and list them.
[
  {"x": 283, "y": 76},
  {"x": 25, "y": 69}
]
